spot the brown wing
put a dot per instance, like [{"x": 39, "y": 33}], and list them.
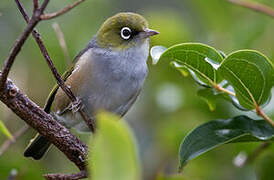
[
  {"x": 79, "y": 77},
  {"x": 54, "y": 90},
  {"x": 65, "y": 76},
  {"x": 61, "y": 100}
]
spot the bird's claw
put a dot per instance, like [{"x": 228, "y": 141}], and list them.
[{"x": 76, "y": 105}]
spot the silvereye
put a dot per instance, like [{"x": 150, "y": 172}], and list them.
[{"x": 106, "y": 75}]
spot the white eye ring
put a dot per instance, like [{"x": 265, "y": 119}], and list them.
[{"x": 125, "y": 33}]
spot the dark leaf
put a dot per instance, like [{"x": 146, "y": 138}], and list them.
[{"x": 218, "y": 132}]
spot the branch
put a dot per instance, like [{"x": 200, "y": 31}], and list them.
[
  {"x": 62, "y": 42},
  {"x": 19, "y": 43},
  {"x": 44, "y": 123},
  {"x": 90, "y": 122},
  {"x": 9, "y": 142},
  {"x": 257, "y": 152},
  {"x": 62, "y": 11},
  {"x": 35, "y": 5},
  {"x": 34, "y": 116},
  {"x": 80, "y": 175},
  {"x": 254, "y": 6}
]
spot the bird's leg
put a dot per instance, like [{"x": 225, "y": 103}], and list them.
[{"x": 76, "y": 105}]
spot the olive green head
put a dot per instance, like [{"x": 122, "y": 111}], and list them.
[{"x": 123, "y": 30}]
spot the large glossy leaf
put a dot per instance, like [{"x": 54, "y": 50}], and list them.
[
  {"x": 199, "y": 58},
  {"x": 113, "y": 151},
  {"x": 4, "y": 130},
  {"x": 251, "y": 75},
  {"x": 218, "y": 132}
]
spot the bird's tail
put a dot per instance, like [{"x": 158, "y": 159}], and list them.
[{"x": 37, "y": 148}]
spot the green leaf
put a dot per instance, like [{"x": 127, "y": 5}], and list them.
[
  {"x": 113, "y": 151},
  {"x": 180, "y": 68},
  {"x": 5, "y": 130},
  {"x": 218, "y": 132},
  {"x": 251, "y": 75},
  {"x": 198, "y": 58},
  {"x": 210, "y": 96}
]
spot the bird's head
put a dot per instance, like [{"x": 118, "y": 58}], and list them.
[{"x": 124, "y": 30}]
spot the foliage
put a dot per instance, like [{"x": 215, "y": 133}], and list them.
[
  {"x": 192, "y": 56},
  {"x": 113, "y": 151},
  {"x": 219, "y": 132},
  {"x": 248, "y": 72},
  {"x": 4, "y": 130},
  {"x": 251, "y": 75}
]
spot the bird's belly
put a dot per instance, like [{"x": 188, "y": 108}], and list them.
[{"x": 110, "y": 95}]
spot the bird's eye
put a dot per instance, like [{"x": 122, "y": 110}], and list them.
[{"x": 125, "y": 33}]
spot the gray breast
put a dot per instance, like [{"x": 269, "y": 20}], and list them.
[{"x": 117, "y": 77}]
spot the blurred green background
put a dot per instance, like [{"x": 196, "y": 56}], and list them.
[{"x": 168, "y": 107}]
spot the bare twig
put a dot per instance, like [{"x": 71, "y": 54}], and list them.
[
  {"x": 45, "y": 124},
  {"x": 19, "y": 43},
  {"x": 42, "y": 8},
  {"x": 62, "y": 11},
  {"x": 62, "y": 42},
  {"x": 16, "y": 135},
  {"x": 257, "y": 152},
  {"x": 22, "y": 11},
  {"x": 90, "y": 122},
  {"x": 80, "y": 175},
  {"x": 35, "y": 5},
  {"x": 254, "y": 6}
]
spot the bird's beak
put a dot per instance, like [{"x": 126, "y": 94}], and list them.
[{"x": 149, "y": 32}]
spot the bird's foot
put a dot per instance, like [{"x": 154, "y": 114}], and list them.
[{"x": 76, "y": 105}]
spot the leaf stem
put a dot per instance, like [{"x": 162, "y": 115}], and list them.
[
  {"x": 260, "y": 112},
  {"x": 219, "y": 88},
  {"x": 257, "y": 152}
]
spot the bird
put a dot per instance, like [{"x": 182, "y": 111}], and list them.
[{"x": 108, "y": 74}]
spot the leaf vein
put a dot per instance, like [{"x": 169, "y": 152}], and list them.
[{"x": 247, "y": 90}]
